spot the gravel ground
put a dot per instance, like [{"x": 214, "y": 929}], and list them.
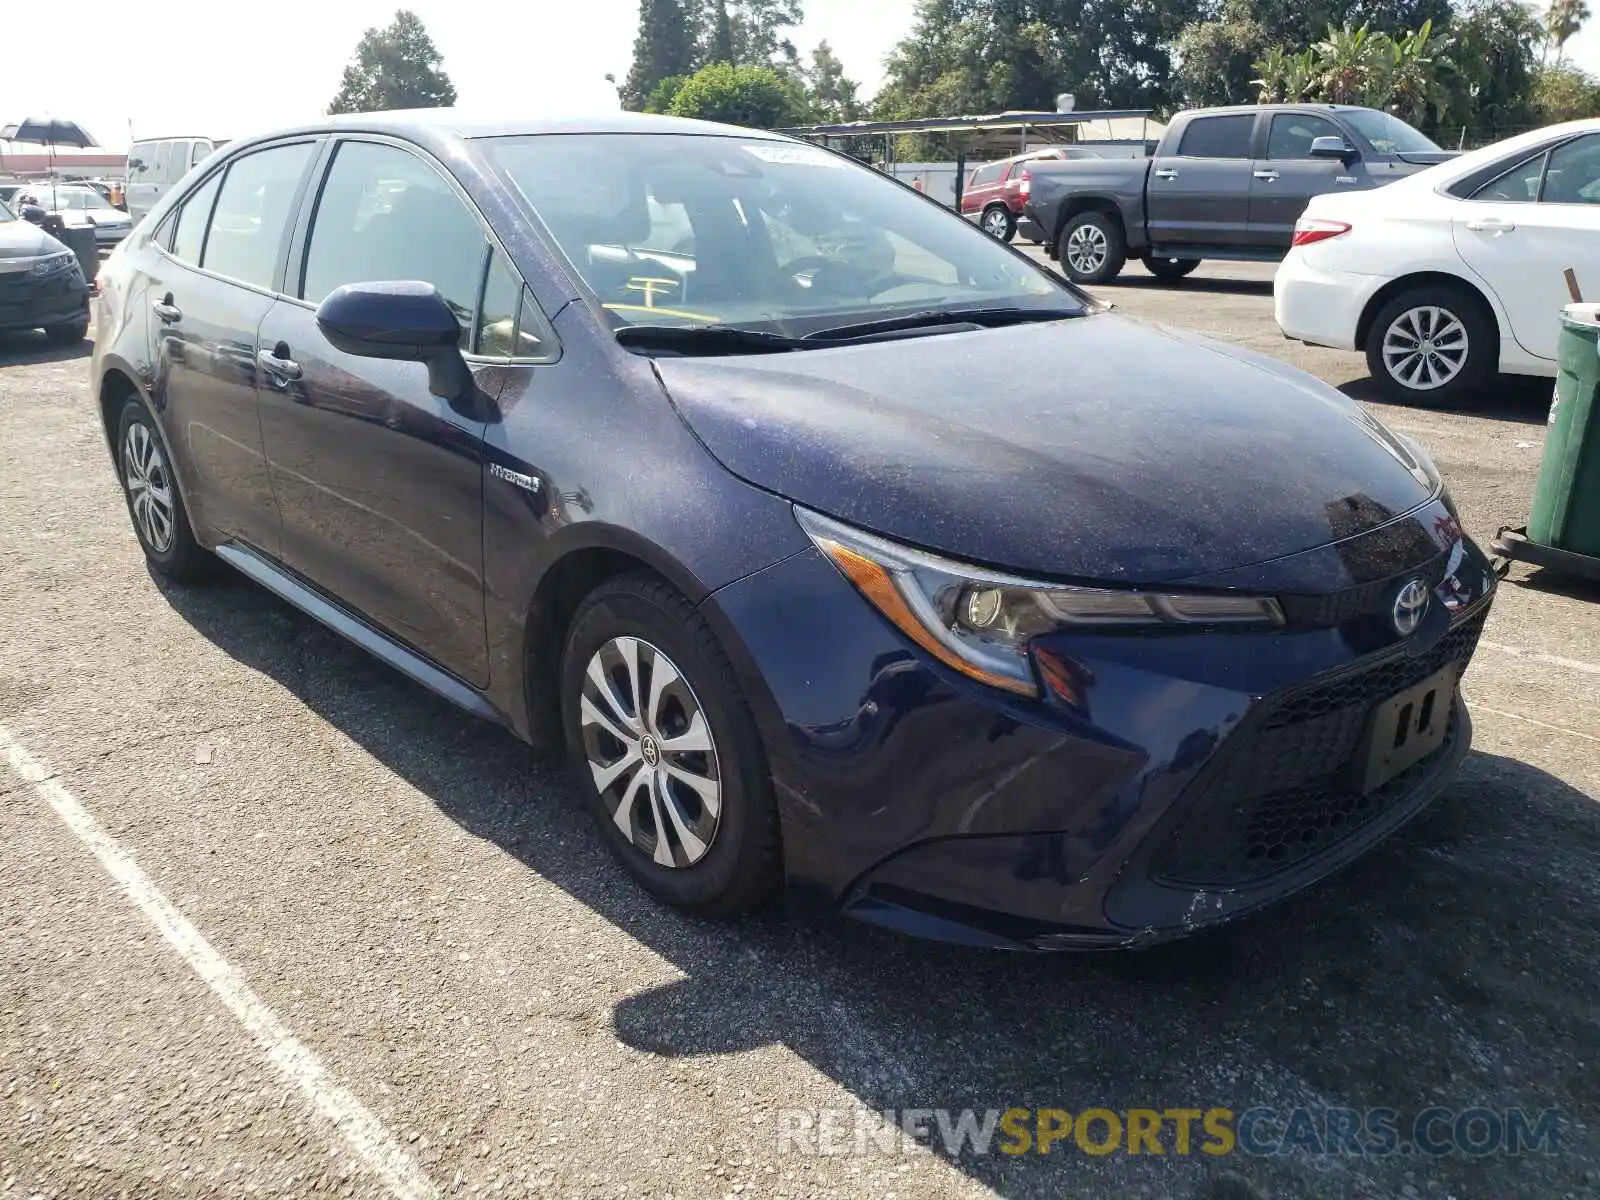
[{"x": 419, "y": 901}]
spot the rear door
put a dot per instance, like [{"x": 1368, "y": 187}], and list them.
[
  {"x": 209, "y": 288},
  {"x": 381, "y": 482},
  {"x": 1201, "y": 194},
  {"x": 1521, "y": 231},
  {"x": 1285, "y": 176}
]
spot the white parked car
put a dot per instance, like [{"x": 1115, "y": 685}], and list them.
[{"x": 1454, "y": 273}]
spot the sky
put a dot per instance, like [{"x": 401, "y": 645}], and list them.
[{"x": 177, "y": 67}]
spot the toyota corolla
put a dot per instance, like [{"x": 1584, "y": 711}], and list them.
[{"x": 681, "y": 446}]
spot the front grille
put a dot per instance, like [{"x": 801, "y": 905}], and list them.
[
  {"x": 1335, "y": 608},
  {"x": 1283, "y": 790}
]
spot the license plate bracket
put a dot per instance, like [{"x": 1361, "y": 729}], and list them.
[{"x": 1405, "y": 729}]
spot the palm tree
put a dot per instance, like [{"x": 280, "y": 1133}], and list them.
[
  {"x": 1273, "y": 71},
  {"x": 1416, "y": 75},
  {"x": 1562, "y": 20},
  {"x": 1352, "y": 66}
]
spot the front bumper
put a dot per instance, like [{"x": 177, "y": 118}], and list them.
[
  {"x": 29, "y": 303},
  {"x": 1202, "y": 777}
]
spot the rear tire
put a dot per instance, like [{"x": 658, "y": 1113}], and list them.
[
  {"x": 1171, "y": 269},
  {"x": 1432, "y": 345},
  {"x": 69, "y": 334},
  {"x": 1092, "y": 248},
  {"x": 155, "y": 504},
  {"x": 696, "y": 827},
  {"x": 998, "y": 222}
]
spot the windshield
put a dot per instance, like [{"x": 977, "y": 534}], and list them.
[
  {"x": 686, "y": 230},
  {"x": 79, "y": 198},
  {"x": 1388, "y": 135}
]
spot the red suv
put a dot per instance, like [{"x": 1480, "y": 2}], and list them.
[{"x": 996, "y": 192}]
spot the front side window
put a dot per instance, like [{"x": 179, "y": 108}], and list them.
[
  {"x": 385, "y": 214},
  {"x": 253, "y": 213},
  {"x": 1388, "y": 134},
  {"x": 676, "y": 229},
  {"x": 1573, "y": 174},
  {"x": 199, "y": 153},
  {"x": 1292, "y": 134},
  {"x": 189, "y": 237},
  {"x": 1218, "y": 137}
]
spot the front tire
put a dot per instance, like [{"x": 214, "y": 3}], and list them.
[
  {"x": 998, "y": 222},
  {"x": 154, "y": 503},
  {"x": 666, "y": 751},
  {"x": 1171, "y": 269},
  {"x": 1431, "y": 345},
  {"x": 1092, "y": 248}
]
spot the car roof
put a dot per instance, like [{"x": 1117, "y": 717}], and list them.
[
  {"x": 435, "y": 123},
  {"x": 1255, "y": 108}
]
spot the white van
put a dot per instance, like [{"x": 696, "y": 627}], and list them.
[{"x": 156, "y": 165}]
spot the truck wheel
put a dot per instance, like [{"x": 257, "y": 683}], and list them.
[
  {"x": 1092, "y": 248},
  {"x": 998, "y": 222},
  {"x": 1431, "y": 345},
  {"x": 1171, "y": 268}
]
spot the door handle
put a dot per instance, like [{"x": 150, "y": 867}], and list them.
[
  {"x": 167, "y": 310},
  {"x": 1490, "y": 225},
  {"x": 277, "y": 363},
  {"x": 1269, "y": 176},
  {"x": 1166, "y": 173}
]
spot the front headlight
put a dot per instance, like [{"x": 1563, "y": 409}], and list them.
[
  {"x": 979, "y": 622},
  {"x": 50, "y": 264}
]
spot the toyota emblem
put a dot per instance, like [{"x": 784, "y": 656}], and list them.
[{"x": 1409, "y": 607}]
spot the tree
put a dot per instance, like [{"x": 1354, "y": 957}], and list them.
[
  {"x": 1562, "y": 92},
  {"x": 664, "y": 47},
  {"x": 720, "y": 48},
  {"x": 755, "y": 96},
  {"x": 397, "y": 67},
  {"x": 1492, "y": 45},
  {"x": 1562, "y": 20},
  {"x": 1216, "y": 56},
  {"x": 757, "y": 27},
  {"x": 831, "y": 92}
]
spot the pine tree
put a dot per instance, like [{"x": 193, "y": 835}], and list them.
[
  {"x": 720, "y": 47},
  {"x": 664, "y": 48},
  {"x": 397, "y": 67}
]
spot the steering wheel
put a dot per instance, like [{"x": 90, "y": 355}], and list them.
[{"x": 831, "y": 277}]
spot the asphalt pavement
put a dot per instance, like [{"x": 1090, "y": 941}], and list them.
[{"x": 280, "y": 923}]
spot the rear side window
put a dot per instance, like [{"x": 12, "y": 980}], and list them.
[
  {"x": 1520, "y": 185},
  {"x": 190, "y": 236},
  {"x": 987, "y": 175},
  {"x": 175, "y": 163},
  {"x": 253, "y": 213},
  {"x": 1293, "y": 133},
  {"x": 1218, "y": 137},
  {"x": 386, "y": 214}
]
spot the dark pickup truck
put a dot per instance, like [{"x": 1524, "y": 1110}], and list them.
[{"x": 1223, "y": 183}]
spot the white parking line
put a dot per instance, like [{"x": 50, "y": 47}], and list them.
[
  {"x": 1554, "y": 660},
  {"x": 1500, "y": 712},
  {"x": 371, "y": 1143}
]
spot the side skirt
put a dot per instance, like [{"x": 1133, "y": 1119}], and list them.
[{"x": 353, "y": 629}]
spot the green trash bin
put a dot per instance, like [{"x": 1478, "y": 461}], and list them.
[{"x": 1563, "y": 530}]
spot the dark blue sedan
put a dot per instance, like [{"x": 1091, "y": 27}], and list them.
[{"x": 849, "y": 553}]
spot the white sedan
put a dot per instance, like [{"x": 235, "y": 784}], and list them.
[{"x": 1456, "y": 272}]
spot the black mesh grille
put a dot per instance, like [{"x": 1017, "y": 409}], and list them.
[{"x": 1284, "y": 791}]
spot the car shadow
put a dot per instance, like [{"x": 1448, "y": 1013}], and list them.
[
  {"x": 1237, "y": 287},
  {"x": 1457, "y": 964},
  {"x": 1522, "y": 399},
  {"x": 31, "y": 348}
]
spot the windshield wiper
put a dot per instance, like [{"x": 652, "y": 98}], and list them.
[
  {"x": 707, "y": 339},
  {"x": 988, "y": 318}
]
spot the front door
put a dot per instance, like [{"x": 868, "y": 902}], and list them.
[
  {"x": 1201, "y": 195},
  {"x": 1283, "y": 182},
  {"x": 380, "y": 482},
  {"x": 208, "y": 293},
  {"x": 1520, "y": 232}
]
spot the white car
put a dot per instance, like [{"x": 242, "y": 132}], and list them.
[{"x": 1456, "y": 272}]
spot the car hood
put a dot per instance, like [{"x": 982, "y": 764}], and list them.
[
  {"x": 21, "y": 239},
  {"x": 1092, "y": 448}
]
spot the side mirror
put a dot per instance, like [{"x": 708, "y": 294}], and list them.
[
  {"x": 32, "y": 213},
  {"x": 404, "y": 320},
  {"x": 136, "y": 164},
  {"x": 1333, "y": 147}
]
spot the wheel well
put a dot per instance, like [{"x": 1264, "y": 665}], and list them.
[
  {"x": 115, "y": 389},
  {"x": 1421, "y": 280},
  {"x": 1083, "y": 205},
  {"x": 555, "y": 603}
]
